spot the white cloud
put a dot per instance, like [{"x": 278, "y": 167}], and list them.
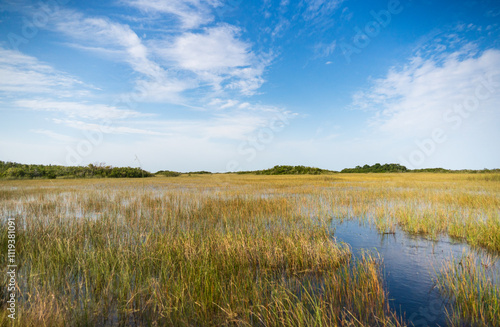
[
  {"x": 415, "y": 99},
  {"x": 163, "y": 89},
  {"x": 324, "y": 49},
  {"x": 23, "y": 73},
  {"x": 284, "y": 3},
  {"x": 202, "y": 60},
  {"x": 104, "y": 35},
  {"x": 320, "y": 9},
  {"x": 216, "y": 49},
  {"x": 80, "y": 110},
  {"x": 119, "y": 42},
  {"x": 216, "y": 56},
  {"x": 281, "y": 27},
  {"x": 191, "y": 13},
  {"x": 223, "y": 104}
]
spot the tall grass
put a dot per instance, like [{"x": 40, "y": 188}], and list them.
[
  {"x": 111, "y": 253},
  {"x": 474, "y": 290},
  {"x": 224, "y": 249}
]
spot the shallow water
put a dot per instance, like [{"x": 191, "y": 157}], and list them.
[{"x": 411, "y": 264}]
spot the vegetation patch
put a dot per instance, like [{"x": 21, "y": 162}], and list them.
[
  {"x": 231, "y": 249},
  {"x": 290, "y": 170},
  {"x": 12, "y": 170},
  {"x": 167, "y": 173},
  {"x": 473, "y": 288}
]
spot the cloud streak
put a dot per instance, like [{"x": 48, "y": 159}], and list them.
[
  {"x": 190, "y": 13},
  {"x": 26, "y": 74},
  {"x": 414, "y": 99},
  {"x": 79, "y": 110}
]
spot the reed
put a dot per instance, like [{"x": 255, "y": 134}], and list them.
[
  {"x": 473, "y": 288},
  {"x": 225, "y": 249},
  {"x": 112, "y": 253}
]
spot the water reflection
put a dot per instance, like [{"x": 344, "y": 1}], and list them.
[{"x": 411, "y": 264}]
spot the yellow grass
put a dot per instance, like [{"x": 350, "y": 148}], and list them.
[{"x": 224, "y": 249}]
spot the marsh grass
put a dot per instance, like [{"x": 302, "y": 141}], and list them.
[
  {"x": 473, "y": 287},
  {"x": 224, "y": 249},
  {"x": 109, "y": 253},
  {"x": 486, "y": 177}
]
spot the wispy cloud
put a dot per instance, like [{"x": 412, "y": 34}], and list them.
[
  {"x": 323, "y": 50},
  {"x": 80, "y": 110},
  {"x": 215, "y": 56},
  {"x": 242, "y": 120},
  {"x": 103, "y": 34},
  {"x": 492, "y": 13},
  {"x": 190, "y": 13},
  {"x": 320, "y": 11},
  {"x": 119, "y": 42},
  {"x": 26, "y": 74},
  {"x": 197, "y": 62},
  {"x": 412, "y": 100}
]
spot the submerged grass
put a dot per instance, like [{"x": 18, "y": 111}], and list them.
[{"x": 216, "y": 250}]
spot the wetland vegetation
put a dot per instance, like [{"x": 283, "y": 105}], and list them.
[{"x": 240, "y": 250}]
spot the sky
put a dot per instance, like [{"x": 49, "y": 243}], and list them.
[{"x": 229, "y": 85}]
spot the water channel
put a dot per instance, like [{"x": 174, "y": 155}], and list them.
[{"x": 411, "y": 265}]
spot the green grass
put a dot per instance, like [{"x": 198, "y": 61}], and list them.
[
  {"x": 111, "y": 254},
  {"x": 474, "y": 290},
  {"x": 213, "y": 250}
]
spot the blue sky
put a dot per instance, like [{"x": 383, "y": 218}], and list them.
[{"x": 225, "y": 85}]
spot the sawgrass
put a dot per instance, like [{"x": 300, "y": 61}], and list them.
[
  {"x": 122, "y": 253},
  {"x": 473, "y": 288},
  {"x": 225, "y": 249}
]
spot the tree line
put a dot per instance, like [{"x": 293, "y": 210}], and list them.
[
  {"x": 289, "y": 170},
  {"x": 12, "y": 170},
  {"x": 376, "y": 168}
]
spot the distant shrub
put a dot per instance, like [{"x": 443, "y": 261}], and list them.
[
  {"x": 201, "y": 172},
  {"x": 13, "y": 170},
  {"x": 167, "y": 173},
  {"x": 289, "y": 170},
  {"x": 376, "y": 168}
]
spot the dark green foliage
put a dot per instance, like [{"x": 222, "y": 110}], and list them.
[
  {"x": 12, "y": 170},
  {"x": 397, "y": 168},
  {"x": 167, "y": 173},
  {"x": 376, "y": 168},
  {"x": 289, "y": 170}
]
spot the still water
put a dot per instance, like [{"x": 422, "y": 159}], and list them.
[{"x": 411, "y": 264}]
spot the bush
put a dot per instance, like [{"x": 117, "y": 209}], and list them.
[{"x": 167, "y": 173}]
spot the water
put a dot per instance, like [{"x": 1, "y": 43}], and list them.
[{"x": 411, "y": 264}]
